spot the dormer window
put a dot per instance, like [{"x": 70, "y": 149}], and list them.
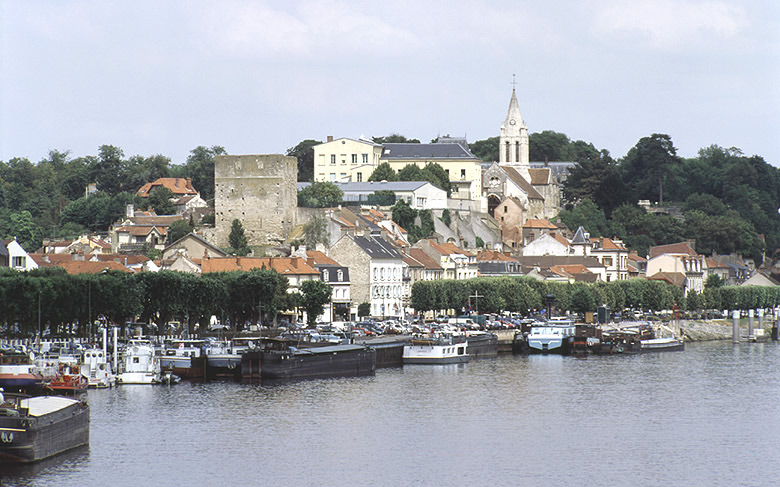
[
  {"x": 340, "y": 275},
  {"x": 325, "y": 275}
]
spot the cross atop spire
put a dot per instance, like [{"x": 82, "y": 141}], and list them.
[{"x": 514, "y": 83}]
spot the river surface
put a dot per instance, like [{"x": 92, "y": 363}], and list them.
[{"x": 708, "y": 416}]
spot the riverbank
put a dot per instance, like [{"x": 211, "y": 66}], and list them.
[{"x": 702, "y": 331}]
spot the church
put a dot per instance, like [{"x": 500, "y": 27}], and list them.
[{"x": 517, "y": 190}]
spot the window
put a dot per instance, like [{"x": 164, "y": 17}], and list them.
[
  {"x": 343, "y": 158},
  {"x": 463, "y": 174},
  {"x": 354, "y": 158},
  {"x": 325, "y": 275},
  {"x": 19, "y": 261},
  {"x": 421, "y": 202},
  {"x": 333, "y": 158},
  {"x": 333, "y": 177},
  {"x": 340, "y": 275},
  {"x": 343, "y": 176},
  {"x": 360, "y": 177},
  {"x": 607, "y": 261},
  {"x": 505, "y": 208},
  {"x": 365, "y": 158}
]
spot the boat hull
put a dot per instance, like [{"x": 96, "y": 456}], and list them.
[
  {"x": 456, "y": 359},
  {"x": 482, "y": 345},
  {"x": 184, "y": 367},
  {"x": 330, "y": 361},
  {"x": 662, "y": 345},
  {"x": 26, "y": 439}
]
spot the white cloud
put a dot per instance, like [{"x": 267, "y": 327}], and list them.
[
  {"x": 668, "y": 23},
  {"x": 305, "y": 29}
]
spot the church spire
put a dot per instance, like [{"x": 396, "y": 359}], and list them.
[{"x": 514, "y": 135}]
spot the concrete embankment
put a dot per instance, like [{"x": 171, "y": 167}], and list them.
[{"x": 701, "y": 331}]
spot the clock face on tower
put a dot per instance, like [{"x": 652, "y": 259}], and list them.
[{"x": 512, "y": 121}]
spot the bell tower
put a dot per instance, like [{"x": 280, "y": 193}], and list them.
[{"x": 514, "y": 137}]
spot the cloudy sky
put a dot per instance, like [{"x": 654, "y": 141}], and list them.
[{"x": 162, "y": 77}]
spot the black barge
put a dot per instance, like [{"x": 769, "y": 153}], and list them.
[{"x": 34, "y": 428}]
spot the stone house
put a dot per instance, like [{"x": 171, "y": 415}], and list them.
[
  {"x": 376, "y": 272},
  {"x": 678, "y": 258},
  {"x": 456, "y": 262}
]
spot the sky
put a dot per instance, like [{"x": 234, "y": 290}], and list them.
[{"x": 257, "y": 77}]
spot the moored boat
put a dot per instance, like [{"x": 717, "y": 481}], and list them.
[
  {"x": 551, "y": 337},
  {"x": 18, "y": 372},
  {"x": 482, "y": 343},
  {"x": 69, "y": 381},
  {"x": 439, "y": 348},
  {"x": 97, "y": 369},
  {"x": 139, "y": 364},
  {"x": 184, "y": 358},
  {"x": 666, "y": 344},
  {"x": 34, "y": 428},
  {"x": 275, "y": 359}
]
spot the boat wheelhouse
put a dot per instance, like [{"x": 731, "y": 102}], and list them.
[
  {"x": 551, "y": 337},
  {"x": 139, "y": 364},
  {"x": 439, "y": 348},
  {"x": 184, "y": 358}
]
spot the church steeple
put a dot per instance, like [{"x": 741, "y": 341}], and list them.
[{"x": 514, "y": 136}]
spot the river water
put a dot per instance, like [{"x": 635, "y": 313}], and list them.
[{"x": 708, "y": 416}]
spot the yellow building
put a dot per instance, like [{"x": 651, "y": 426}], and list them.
[
  {"x": 345, "y": 160},
  {"x": 463, "y": 167}
]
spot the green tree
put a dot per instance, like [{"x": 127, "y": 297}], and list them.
[
  {"x": 647, "y": 164},
  {"x": 321, "y": 194},
  {"x": 108, "y": 170},
  {"x": 436, "y": 175},
  {"x": 27, "y": 233},
  {"x": 589, "y": 216},
  {"x": 394, "y": 139},
  {"x": 445, "y": 217},
  {"x": 237, "y": 238},
  {"x": 383, "y": 172},
  {"x": 315, "y": 295},
  {"x": 316, "y": 231},
  {"x": 403, "y": 214},
  {"x": 177, "y": 230},
  {"x": 304, "y": 151},
  {"x": 486, "y": 149},
  {"x": 597, "y": 179},
  {"x": 364, "y": 309},
  {"x": 160, "y": 201},
  {"x": 582, "y": 300},
  {"x": 411, "y": 172},
  {"x": 549, "y": 146},
  {"x": 200, "y": 167},
  {"x": 382, "y": 198}
]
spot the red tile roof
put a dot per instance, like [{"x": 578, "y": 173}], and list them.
[
  {"x": 539, "y": 223},
  {"x": 420, "y": 256},
  {"x": 675, "y": 248},
  {"x": 316, "y": 257},
  {"x": 178, "y": 186},
  {"x": 282, "y": 265},
  {"x": 494, "y": 256}
]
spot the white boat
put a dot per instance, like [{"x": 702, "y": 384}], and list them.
[
  {"x": 441, "y": 348},
  {"x": 222, "y": 359},
  {"x": 97, "y": 369},
  {"x": 139, "y": 364},
  {"x": 551, "y": 337},
  {"x": 666, "y": 344}
]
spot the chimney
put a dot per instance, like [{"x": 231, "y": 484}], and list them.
[
  {"x": 330, "y": 138},
  {"x": 130, "y": 211},
  {"x": 189, "y": 183}
]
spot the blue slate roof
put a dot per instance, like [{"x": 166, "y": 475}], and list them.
[
  {"x": 377, "y": 248},
  {"x": 425, "y": 151}
]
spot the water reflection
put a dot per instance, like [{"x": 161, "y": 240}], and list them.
[{"x": 705, "y": 416}]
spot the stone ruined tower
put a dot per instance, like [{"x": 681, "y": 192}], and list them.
[
  {"x": 260, "y": 191},
  {"x": 513, "y": 147}
]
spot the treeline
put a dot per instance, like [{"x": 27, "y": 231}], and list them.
[
  {"x": 525, "y": 294},
  {"x": 58, "y": 301},
  {"x": 47, "y": 199}
]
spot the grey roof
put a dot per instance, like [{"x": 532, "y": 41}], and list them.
[
  {"x": 579, "y": 237},
  {"x": 3, "y": 249},
  {"x": 372, "y": 186},
  {"x": 500, "y": 268},
  {"x": 377, "y": 248},
  {"x": 425, "y": 151}
]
